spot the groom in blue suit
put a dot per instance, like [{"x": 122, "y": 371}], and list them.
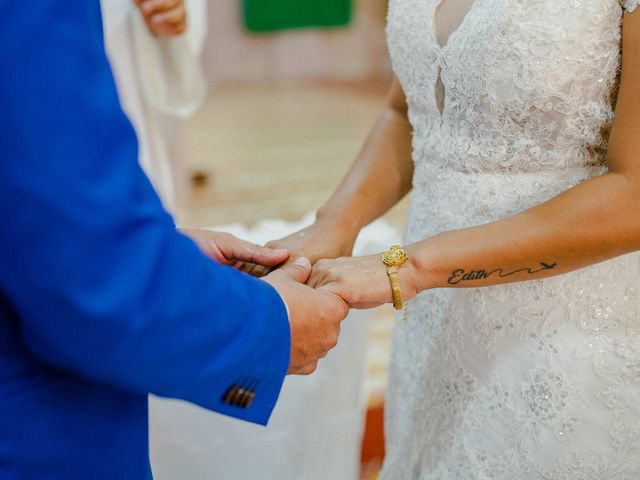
[{"x": 101, "y": 300}]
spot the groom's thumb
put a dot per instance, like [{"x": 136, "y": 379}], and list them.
[{"x": 298, "y": 270}]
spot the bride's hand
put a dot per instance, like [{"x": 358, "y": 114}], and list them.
[
  {"x": 322, "y": 239},
  {"x": 362, "y": 282}
]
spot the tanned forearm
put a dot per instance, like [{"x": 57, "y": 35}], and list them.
[
  {"x": 381, "y": 175},
  {"x": 594, "y": 221},
  {"x": 597, "y": 220}
]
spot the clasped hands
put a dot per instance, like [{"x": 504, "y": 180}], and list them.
[{"x": 314, "y": 275}]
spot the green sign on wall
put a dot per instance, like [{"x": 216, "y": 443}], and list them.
[{"x": 273, "y": 15}]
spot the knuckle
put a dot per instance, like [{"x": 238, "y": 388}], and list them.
[
  {"x": 147, "y": 8},
  {"x": 339, "y": 310},
  {"x": 309, "y": 369},
  {"x": 332, "y": 340},
  {"x": 341, "y": 307},
  {"x": 322, "y": 264},
  {"x": 157, "y": 5},
  {"x": 336, "y": 311}
]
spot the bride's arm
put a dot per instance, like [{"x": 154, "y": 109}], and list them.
[
  {"x": 378, "y": 179},
  {"x": 381, "y": 175},
  {"x": 594, "y": 221}
]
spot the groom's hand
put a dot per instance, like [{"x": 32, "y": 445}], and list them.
[
  {"x": 229, "y": 250},
  {"x": 315, "y": 316}
]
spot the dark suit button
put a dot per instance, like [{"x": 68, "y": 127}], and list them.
[
  {"x": 237, "y": 399},
  {"x": 230, "y": 395},
  {"x": 242, "y": 401},
  {"x": 251, "y": 393},
  {"x": 249, "y": 398},
  {"x": 241, "y": 394}
]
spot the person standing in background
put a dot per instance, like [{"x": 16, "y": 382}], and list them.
[{"x": 154, "y": 48}]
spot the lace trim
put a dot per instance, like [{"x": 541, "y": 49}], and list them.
[{"x": 630, "y": 5}]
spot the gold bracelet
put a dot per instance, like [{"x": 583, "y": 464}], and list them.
[{"x": 394, "y": 258}]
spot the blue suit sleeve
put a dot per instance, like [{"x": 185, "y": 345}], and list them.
[{"x": 100, "y": 280}]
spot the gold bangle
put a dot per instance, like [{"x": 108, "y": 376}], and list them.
[{"x": 394, "y": 258}]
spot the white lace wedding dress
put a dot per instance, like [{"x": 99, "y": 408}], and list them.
[{"x": 532, "y": 380}]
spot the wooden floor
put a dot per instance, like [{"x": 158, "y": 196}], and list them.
[{"x": 274, "y": 151}]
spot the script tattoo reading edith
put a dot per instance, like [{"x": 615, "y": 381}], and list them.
[{"x": 461, "y": 275}]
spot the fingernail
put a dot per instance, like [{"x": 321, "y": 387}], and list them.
[
  {"x": 280, "y": 251},
  {"x": 302, "y": 262}
]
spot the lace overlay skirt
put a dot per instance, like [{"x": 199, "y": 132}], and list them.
[{"x": 531, "y": 380}]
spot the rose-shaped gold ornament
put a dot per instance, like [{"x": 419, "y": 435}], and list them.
[{"x": 394, "y": 257}]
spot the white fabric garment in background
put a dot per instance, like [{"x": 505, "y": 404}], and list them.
[
  {"x": 316, "y": 429},
  {"x": 159, "y": 79}
]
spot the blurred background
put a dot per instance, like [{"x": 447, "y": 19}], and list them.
[
  {"x": 275, "y": 99},
  {"x": 279, "y": 103}
]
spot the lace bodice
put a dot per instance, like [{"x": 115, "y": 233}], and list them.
[
  {"x": 528, "y": 83},
  {"x": 630, "y": 5},
  {"x": 533, "y": 380}
]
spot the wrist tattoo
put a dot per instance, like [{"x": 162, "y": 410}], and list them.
[{"x": 461, "y": 275}]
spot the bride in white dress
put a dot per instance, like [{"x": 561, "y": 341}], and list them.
[{"x": 527, "y": 185}]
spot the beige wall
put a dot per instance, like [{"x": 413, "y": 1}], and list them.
[{"x": 356, "y": 52}]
